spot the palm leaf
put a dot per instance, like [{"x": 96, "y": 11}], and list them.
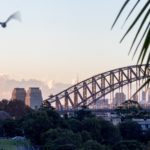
[
  {"x": 147, "y": 64},
  {"x": 145, "y": 38},
  {"x": 142, "y": 24},
  {"x": 141, "y": 39},
  {"x": 144, "y": 48},
  {"x": 136, "y": 19},
  {"x": 121, "y": 10},
  {"x": 131, "y": 12}
]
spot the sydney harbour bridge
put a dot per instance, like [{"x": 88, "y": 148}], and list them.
[{"x": 91, "y": 91}]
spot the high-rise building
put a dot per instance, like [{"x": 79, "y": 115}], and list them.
[
  {"x": 102, "y": 103},
  {"x": 148, "y": 95},
  {"x": 135, "y": 97},
  {"x": 143, "y": 97},
  {"x": 120, "y": 97},
  {"x": 34, "y": 98},
  {"x": 19, "y": 94}
]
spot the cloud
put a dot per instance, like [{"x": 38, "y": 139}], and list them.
[
  {"x": 57, "y": 87},
  {"x": 7, "y": 84}
]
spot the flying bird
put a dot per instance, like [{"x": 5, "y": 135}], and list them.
[{"x": 15, "y": 16}]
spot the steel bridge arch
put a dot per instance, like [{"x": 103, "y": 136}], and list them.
[{"x": 88, "y": 91}]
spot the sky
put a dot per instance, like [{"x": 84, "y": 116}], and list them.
[{"x": 59, "y": 41}]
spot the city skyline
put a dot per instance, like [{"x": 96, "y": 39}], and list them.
[
  {"x": 60, "y": 40},
  {"x": 73, "y": 75}
]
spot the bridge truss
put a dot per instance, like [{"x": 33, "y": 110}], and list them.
[{"x": 91, "y": 90}]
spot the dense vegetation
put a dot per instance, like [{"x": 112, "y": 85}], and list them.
[
  {"x": 83, "y": 131},
  {"x": 8, "y": 144}
]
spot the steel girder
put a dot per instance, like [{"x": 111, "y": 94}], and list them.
[{"x": 92, "y": 89}]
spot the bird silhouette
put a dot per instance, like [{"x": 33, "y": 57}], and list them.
[{"x": 15, "y": 16}]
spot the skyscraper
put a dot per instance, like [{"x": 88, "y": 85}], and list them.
[
  {"x": 148, "y": 95},
  {"x": 135, "y": 97},
  {"x": 143, "y": 97},
  {"x": 119, "y": 98},
  {"x": 102, "y": 103},
  {"x": 34, "y": 98},
  {"x": 19, "y": 94}
]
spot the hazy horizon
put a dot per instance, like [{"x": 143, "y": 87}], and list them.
[{"x": 60, "y": 41}]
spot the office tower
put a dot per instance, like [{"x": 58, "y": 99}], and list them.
[
  {"x": 102, "y": 103},
  {"x": 143, "y": 97},
  {"x": 119, "y": 98},
  {"x": 18, "y": 94},
  {"x": 135, "y": 97},
  {"x": 34, "y": 98},
  {"x": 148, "y": 95}
]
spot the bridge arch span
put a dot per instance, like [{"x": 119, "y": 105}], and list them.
[{"x": 91, "y": 90}]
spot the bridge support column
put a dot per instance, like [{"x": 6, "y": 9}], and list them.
[
  {"x": 112, "y": 89},
  {"x": 84, "y": 94},
  {"x": 121, "y": 80},
  {"x": 94, "y": 92},
  {"x": 66, "y": 103},
  {"x": 58, "y": 104},
  {"x": 75, "y": 97}
]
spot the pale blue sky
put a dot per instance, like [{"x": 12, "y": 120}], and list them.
[{"x": 60, "y": 39}]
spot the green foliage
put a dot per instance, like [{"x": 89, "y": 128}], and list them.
[
  {"x": 129, "y": 107},
  {"x": 93, "y": 126},
  {"x": 3, "y": 104},
  {"x": 101, "y": 130},
  {"x": 84, "y": 112},
  {"x": 34, "y": 124},
  {"x": 56, "y": 139},
  {"x": 92, "y": 145},
  {"x": 148, "y": 146},
  {"x": 10, "y": 128},
  {"x": 8, "y": 144},
  {"x": 53, "y": 117},
  {"x": 75, "y": 125},
  {"x": 110, "y": 133},
  {"x": 146, "y": 137},
  {"x": 130, "y": 130},
  {"x": 85, "y": 136},
  {"x": 45, "y": 127},
  {"x": 127, "y": 111},
  {"x": 16, "y": 108},
  {"x": 37, "y": 122},
  {"x": 128, "y": 145}
]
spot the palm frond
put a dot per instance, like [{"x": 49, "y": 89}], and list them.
[
  {"x": 144, "y": 54},
  {"x": 131, "y": 12},
  {"x": 147, "y": 64},
  {"x": 146, "y": 30},
  {"x": 136, "y": 19},
  {"x": 121, "y": 10},
  {"x": 140, "y": 28},
  {"x": 144, "y": 48}
]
